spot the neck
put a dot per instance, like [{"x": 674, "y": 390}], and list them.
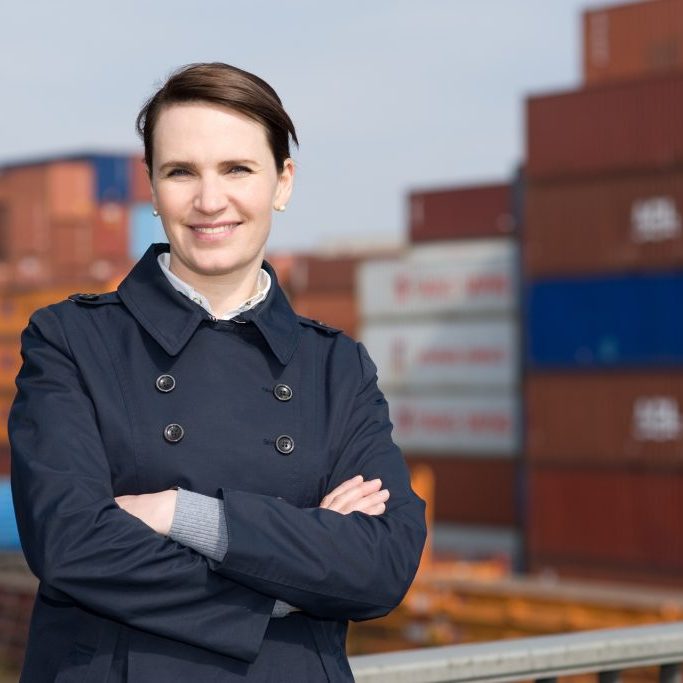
[{"x": 223, "y": 291}]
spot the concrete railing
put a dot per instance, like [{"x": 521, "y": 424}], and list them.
[{"x": 605, "y": 652}]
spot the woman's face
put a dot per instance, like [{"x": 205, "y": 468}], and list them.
[{"x": 214, "y": 184}]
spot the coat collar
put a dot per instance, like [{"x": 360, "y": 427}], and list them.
[{"x": 171, "y": 318}]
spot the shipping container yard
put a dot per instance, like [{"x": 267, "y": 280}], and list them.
[{"x": 528, "y": 337}]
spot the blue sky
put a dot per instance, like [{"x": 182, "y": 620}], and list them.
[{"x": 386, "y": 95}]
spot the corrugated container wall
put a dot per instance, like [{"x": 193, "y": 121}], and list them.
[
  {"x": 461, "y": 212},
  {"x": 112, "y": 177},
  {"x": 631, "y": 222},
  {"x": 619, "y": 127},
  {"x": 620, "y": 523},
  {"x": 632, "y": 40},
  {"x": 478, "y": 277},
  {"x": 613, "y": 321},
  {"x": 472, "y": 490},
  {"x": 140, "y": 190},
  {"x": 621, "y": 419}
]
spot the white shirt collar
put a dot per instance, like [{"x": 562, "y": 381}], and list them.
[{"x": 263, "y": 287}]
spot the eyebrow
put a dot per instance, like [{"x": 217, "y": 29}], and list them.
[{"x": 189, "y": 164}]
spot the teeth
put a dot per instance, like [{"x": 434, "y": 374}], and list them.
[{"x": 220, "y": 228}]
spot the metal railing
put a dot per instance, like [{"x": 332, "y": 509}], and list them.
[{"x": 606, "y": 652}]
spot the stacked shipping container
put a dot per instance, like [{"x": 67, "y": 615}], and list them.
[
  {"x": 441, "y": 324},
  {"x": 66, "y": 225},
  {"x": 603, "y": 258}
]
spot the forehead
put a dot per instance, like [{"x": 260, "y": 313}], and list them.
[{"x": 202, "y": 130}]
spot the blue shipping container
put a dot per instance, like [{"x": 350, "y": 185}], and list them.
[
  {"x": 616, "y": 321},
  {"x": 144, "y": 229},
  {"x": 9, "y": 536},
  {"x": 112, "y": 177}
]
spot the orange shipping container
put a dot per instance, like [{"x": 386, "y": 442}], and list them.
[
  {"x": 472, "y": 490},
  {"x": 337, "y": 309},
  {"x": 317, "y": 274},
  {"x": 72, "y": 250},
  {"x": 613, "y": 223},
  {"x": 610, "y": 520},
  {"x": 632, "y": 40},
  {"x": 110, "y": 231},
  {"x": 10, "y": 361},
  {"x": 6, "y": 399},
  {"x": 616, "y": 418},
  {"x": 70, "y": 187}
]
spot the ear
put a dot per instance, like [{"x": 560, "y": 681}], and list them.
[{"x": 285, "y": 184}]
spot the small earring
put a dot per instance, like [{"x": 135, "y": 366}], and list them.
[
  {"x": 155, "y": 213},
  {"x": 282, "y": 207}
]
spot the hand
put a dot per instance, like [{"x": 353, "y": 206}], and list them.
[
  {"x": 154, "y": 509},
  {"x": 356, "y": 495}
]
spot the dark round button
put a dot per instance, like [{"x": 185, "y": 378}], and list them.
[
  {"x": 284, "y": 444},
  {"x": 165, "y": 383},
  {"x": 173, "y": 433},
  {"x": 282, "y": 392}
]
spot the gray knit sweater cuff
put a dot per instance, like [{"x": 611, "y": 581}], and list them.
[{"x": 199, "y": 523}]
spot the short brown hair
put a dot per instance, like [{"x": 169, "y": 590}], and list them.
[{"x": 227, "y": 86}]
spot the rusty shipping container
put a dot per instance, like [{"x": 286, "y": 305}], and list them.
[
  {"x": 630, "y": 126},
  {"x": 613, "y": 223},
  {"x": 140, "y": 190},
  {"x": 623, "y": 520},
  {"x": 461, "y": 212},
  {"x": 312, "y": 273},
  {"x": 632, "y": 40},
  {"x": 472, "y": 489},
  {"x": 337, "y": 309},
  {"x": 111, "y": 230},
  {"x": 614, "y": 418}
]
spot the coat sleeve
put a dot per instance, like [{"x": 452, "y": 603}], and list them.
[
  {"x": 354, "y": 566},
  {"x": 76, "y": 538}
]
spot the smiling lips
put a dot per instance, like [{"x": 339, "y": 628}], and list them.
[{"x": 213, "y": 231}]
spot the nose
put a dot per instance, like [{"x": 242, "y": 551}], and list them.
[{"x": 211, "y": 197}]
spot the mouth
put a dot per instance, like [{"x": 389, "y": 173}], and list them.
[{"x": 212, "y": 231}]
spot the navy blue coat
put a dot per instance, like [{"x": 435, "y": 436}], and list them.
[{"x": 118, "y": 602}]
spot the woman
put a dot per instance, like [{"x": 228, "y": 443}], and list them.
[{"x": 197, "y": 471}]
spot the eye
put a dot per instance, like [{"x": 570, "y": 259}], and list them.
[
  {"x": 239, "y": 169},
  {"x": 177, "y": 171}
]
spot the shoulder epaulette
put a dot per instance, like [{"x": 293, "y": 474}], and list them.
[
  {"x": 318, "y": 324},
  {"x": 91, "y": 298}
]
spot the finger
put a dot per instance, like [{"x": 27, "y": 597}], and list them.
[
  {"x": 376, "y": 509},
  {"x": 356, "y": 493},
  {"x": 345, "y": 486},
  {"x": 366, "y": 502}
]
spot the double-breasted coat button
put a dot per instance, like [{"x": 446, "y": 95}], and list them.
[
  {"x": 173, "y": 433},
  {"x": 165, "y": 383},
  {"x": 282, "y": 392},
  {"x": 284, "y": 444}
]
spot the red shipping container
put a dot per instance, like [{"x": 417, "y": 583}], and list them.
[
  {"x": 616, "y": 418},
  {"x": 607, "y": 224},
  {"x": 72, "y": 251},
  {"x": 605, "y": 519},
  {"x": 110, "y": 231},
  {"x": 632, "y": 40},
  {"x": 472, "y": 490},
  {"x": 621, "y": 126},
  {"x": 29, "y": 216},
  {"x": 140, "y": 190},
  {"x": 317, "y": 274},
  {"x": 461, "y": 212}
]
